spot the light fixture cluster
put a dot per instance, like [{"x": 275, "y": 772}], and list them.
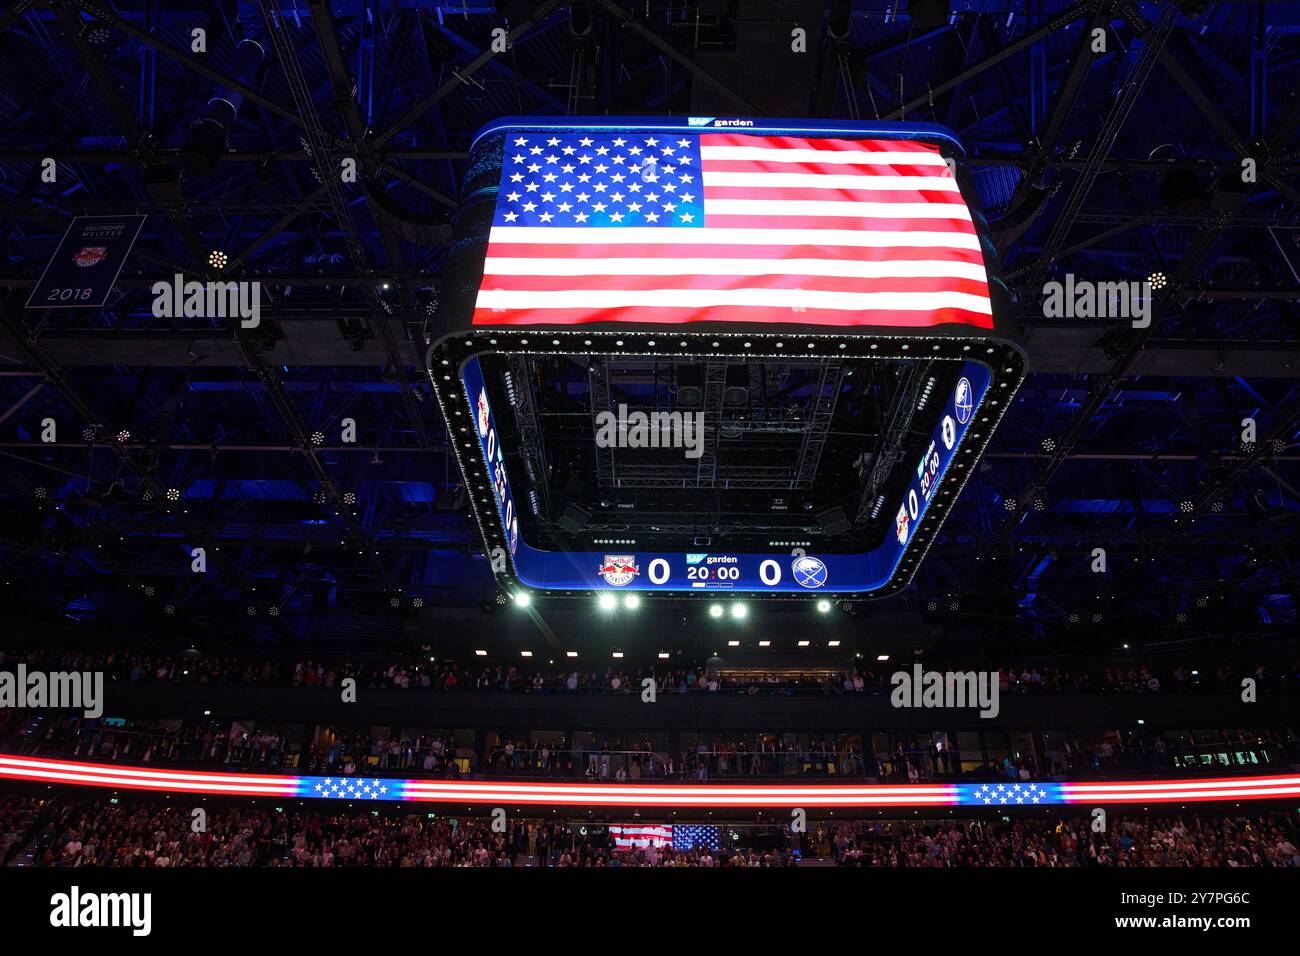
[
  {"x": 608, "y": 602},
  {"x": 218, "y": 259},
  {"x": 1158, "y": 280}
]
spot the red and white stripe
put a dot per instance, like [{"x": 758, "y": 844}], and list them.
[
  {"x": 140, "y": 778},
  {"x": 803, "y": 231},
  {"x": 1183, "y": 791},
  {"x": 627, "y": 837}
]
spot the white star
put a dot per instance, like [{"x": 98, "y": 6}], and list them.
[
  {"x": 550, "y": 177},
  {"x": 536, "y": 150},
  {"x": 668, "y": 187},
  {"x": 602, "y": 150},
  {"x": 529, "y": 206},
  {"x": 634, "y": 186},
  {"x": 634, "y": 207},
  {"x": 683, "y": 142},
  {"x": 552, "y": 160},
  {"x": 518, "y": 157},
  {"x": 667, "y": 150},
  {"x": 652, "y": 217},
  {"x": 687, "y": 197},
  {"x": 687, "y": 179},
  {"x": 566, "y": 187},
  {"x": 598, "y": 207},
  {"x": 581, "y": 217},
  {"x": 319, "y": 788},
  {"x": 684, "y": 160},
  {"x": 616, "y": 217},
  {"x": 652, "y": 197},
  {"x": 652, "y": 141},
  {"x": 546, "y": 217},
  {"x": 585, "y": 141},
  {"x": 583, "y": 197},
  {"x": 584, "y": 177},
  {"x": 564, "y": 207},
  {"x": 616, "y": 196},
  {"x": 669, "y": 206},
  {"x": 687, "y": 217},
  {"x": 600, "y": 167},
  {"x": 635, "y": 150},
  {"x": 548, "y": 197},
  {"x": 513, "y": 197},
  {"x": 584, "y": 159},
  {"x": 618, "y": 160},
  {"x": 566, "y": 168},
  {"x": 532, "y": 187},
  {"x": 600, "y": 187},
  {"x": 521, "y": 141},
  {"x": 618, "y": 177},
  {"x": 569, "y": 151},
  {"x": 511, "y": 216},
  {"x": 620, "y": 141},
  {"x": 517, "y": 177},
  {"x": 534, "y": 168},
  {"x": 552, "y": 142}
]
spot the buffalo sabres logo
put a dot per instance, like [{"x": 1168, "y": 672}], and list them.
[{"x": 619, "y": 569}]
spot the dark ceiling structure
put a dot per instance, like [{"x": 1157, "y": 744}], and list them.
[{"x": 172, "y": 434}]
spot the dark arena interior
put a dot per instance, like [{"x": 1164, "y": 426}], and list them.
[{"x": 603, "y": 434}]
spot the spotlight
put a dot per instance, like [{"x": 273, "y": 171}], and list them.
[
  {"x": 832, "y": 643},
  {"x": 88, "y": 433},
  {"x": 1157, "y": 280},
  {"x": 954, "y": 606},
  {"x": 882, "y": 657},
  {"x": 217, "y": 259},
  {"x": 715, "y": 610},
  {"x": 148, "y": 590},
  {"x": 1185, "y": 507},
  {"x": 173, "y": 494},
  {"x": 250, "y": 611},
  {"x": 607, "y": 602},
  {"x": 480, "y": 653},
  {"x": 394, "y": 602},
  {"x": 739, "y": 611},
  {"x": 1049, "y": 445},
  {"x": 1096, "y": 619},
  {"x": 1202, "y": 601},
  {"x": 733, "y": 643},
  {"x": 631, "y": 602},
  {"x": 525, "y": 653},
  {"x": 1217, "y": 507},
  {"x": 523, "y": 598},
  {"x": 804, "y": 643},
  {"x": 823, "y": 607},
  {"x": 1009, "y": 504},
  {"x": 349, "y": 497},
  {"x": 570, "y": 653},
  {"x": 97, "y": 35},
  {"x": 1040, "y": 504},
  {"x": 617, "y": 655},
  {"x": 319, "y": 497},
  {"x": 664, "y": 655},
  {"x": 1074, "y": 618},
  {"x": 41, "y": 494},
  {"x": 273, "y": 610},
  {"x": 146, "y": 494},
  {"x": 123, "y": 437},
  {"x": 501, "y": 598},
  {"x": 318, "y": 438},
  {"x": 417, "y": 602},
  {"x": 169, "y": 609},
  {"x": 1180, "y": 617},
  {"x": 932, "y": 606}
]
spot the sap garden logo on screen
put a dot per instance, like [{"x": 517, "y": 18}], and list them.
[
  {"x": 713, "y": 121},
  {"x": 496, "y": 464}
]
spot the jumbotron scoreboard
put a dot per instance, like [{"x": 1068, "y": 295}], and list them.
[{"x": 702, "y": 355}]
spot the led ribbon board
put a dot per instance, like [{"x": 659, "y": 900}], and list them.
[
  {"x": 725, "y": 241},
  {"x": 905, "y": 796}
]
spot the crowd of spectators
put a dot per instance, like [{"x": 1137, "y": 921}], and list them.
[
  {"x": 433, "y": 675},
  {"x": 95, "y": 832}
]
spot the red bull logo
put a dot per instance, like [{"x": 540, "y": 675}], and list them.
[
  {"x": 90, "y": 256},
  {"x": 901, "y": 522},
  {"x": 619, "y": 569}
]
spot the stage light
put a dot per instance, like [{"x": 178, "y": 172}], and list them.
[
  {"x": 1186, "y": 507},
  {"x": 764, "y": 643},
  {"x": 1049, "y": 445},
  {"x": 664, "y": 655},
  {"x": 1158, "y": 280},
  {"x": 804, "y": 643},
  {"x": 251, "y": 611},
  {"x": 123, "y": 436},
  {"x": 607, "y": 602},
  {"x": 169, "y": 609},
  {"x": 631, "y": 602},
  {"x": 1181, "y": 618},
  {"x": 823, "y": 607},
  {"x": 1074, "y": 618},
  {"x": 88, "y": 433},
  {"x": 733, "y": 643},
  {"x": 417, "y": 602},
  {"x": 739, "y": 611},
  {"x": 570, "y": 653},
  {"x": 40, "y": 493},
  {"x": 394, "y": 602},
  {"x": 1009, "y": 504},
  {"x": 318, "y": 438},
  {"x": 349, "y": 497},
  {"x": 480, "y": 653},
  {"x": 715, "y": 610},
  {"x": 525, "y": 653},
  {"x": 618, "y": 655},
  {"x": 882, "y": 657},
  {"x": 1040, "y": 504},
  {"x": 273, "y": 610},
  {"x": 217, "y": 259},
  {"x": 173, "y": 494}
]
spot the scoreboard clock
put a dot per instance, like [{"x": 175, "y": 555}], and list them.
[{"x": 697, "y": 262}]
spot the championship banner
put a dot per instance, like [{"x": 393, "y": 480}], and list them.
[{"x": 87, "y": 262}]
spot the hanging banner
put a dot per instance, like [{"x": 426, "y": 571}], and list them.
[{"x": 87, "y": 263}]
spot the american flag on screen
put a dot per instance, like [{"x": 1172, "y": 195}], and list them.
[
  {"x": 678, "y": 836},
  {"x": 644, "y": 227}
]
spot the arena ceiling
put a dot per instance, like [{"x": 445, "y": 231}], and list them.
[{"x": 175, "y": 433}]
